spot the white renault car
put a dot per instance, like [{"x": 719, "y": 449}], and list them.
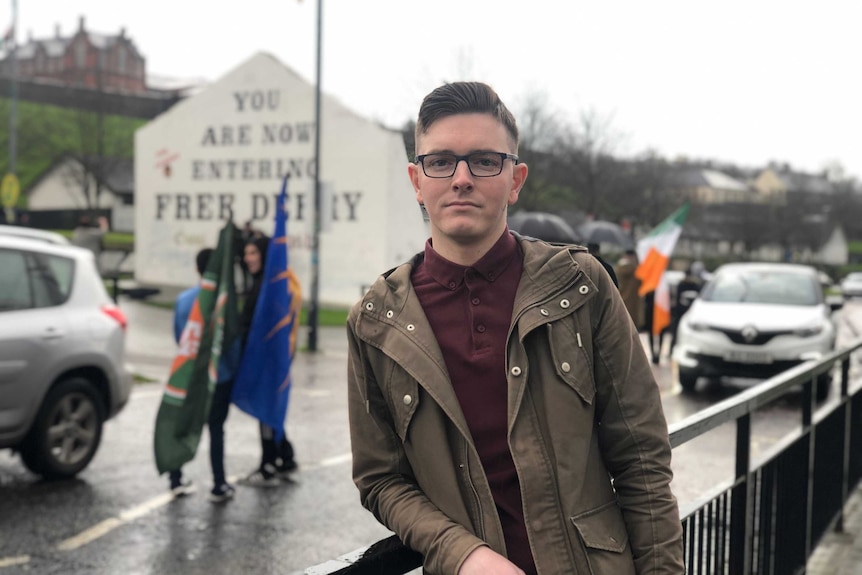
[
  {"x": 62, "y": 352},
  {"x": 755, "y": 320}
]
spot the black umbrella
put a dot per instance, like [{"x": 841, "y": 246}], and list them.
[
  {"x": 604, "y": 232},
  {"x": 543, "y": 226}
]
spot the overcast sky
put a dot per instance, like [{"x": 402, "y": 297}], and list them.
[{"x": 733, "y": 81}]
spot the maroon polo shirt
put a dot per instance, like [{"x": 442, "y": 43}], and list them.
[{"x": 470, "y": 308}]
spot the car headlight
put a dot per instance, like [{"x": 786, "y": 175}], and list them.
[
  {"x": 809, "y": 331},
  {"x": 694, "y": 325}
]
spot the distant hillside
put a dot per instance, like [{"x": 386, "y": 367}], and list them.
[{"x": 47, "y": 132}]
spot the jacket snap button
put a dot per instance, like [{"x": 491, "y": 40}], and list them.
[
  {"x": 544, "y": 312},
  {"x": 516, "y": 371},
  {"x": 390, "y": 313},
  {"x": 369, "y": 306},
  {"x": 583, "y": 289},
  {"x": 410, "y": 327},
  {"x": 565, "y": 367},
  {"x": 408, "y": 400},
  {"x": 564, "y": 304}
]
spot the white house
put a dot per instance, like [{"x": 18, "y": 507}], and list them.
[{"x": 223, "y": 153}]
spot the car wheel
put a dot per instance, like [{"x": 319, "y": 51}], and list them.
[
  {"x": 66, "y": 432},
  {"x": 688, "y": 379},
  {"x": 824, "y": 382}
]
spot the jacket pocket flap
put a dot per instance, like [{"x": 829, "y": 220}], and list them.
[
  {"x": 570, "y": 362},
  {"x": 603, "y": 528}
]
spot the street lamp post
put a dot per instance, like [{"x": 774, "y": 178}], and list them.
[{"x": 315, "y": 245}]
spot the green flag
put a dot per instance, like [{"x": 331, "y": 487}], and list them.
[{"x": 210, "y": 328}]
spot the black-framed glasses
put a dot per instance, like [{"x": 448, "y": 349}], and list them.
[{"x": 480, "y": 164}]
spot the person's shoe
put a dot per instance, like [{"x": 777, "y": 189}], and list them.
[
  {"x": 285, "y": 469},
  {"x": 263, "y": 477},
  {"x": 182, "y": 487},
  {"x": 221, "y": 493}
]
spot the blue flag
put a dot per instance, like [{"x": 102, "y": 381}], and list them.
[{"x": 262, "y": 385}]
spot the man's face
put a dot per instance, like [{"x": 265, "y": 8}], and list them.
[
  {"x": 466, "y": 210},
  {"x": 252, "y": 258}
]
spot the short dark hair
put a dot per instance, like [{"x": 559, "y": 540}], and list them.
[
  {"x": 203, "y": 259},
  {"x": 465, "y": 98}
]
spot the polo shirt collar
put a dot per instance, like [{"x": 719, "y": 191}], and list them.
[{"x": 492, "y": 265}]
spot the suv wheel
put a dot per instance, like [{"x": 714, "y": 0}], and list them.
[
  {"x": 688, "y": 378},
  {"x": 66, "y": 432}
]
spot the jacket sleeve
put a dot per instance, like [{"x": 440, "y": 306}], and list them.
[
  {"x": 384, "y": 477},
  {"x": 633, "y": 434}
]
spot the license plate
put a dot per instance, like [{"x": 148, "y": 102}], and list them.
[{"x": 748, "y": 357}]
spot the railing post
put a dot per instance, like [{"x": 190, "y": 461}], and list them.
[
  {"x": 741, "y": 501},
  {"x": 848, "y": 422}
]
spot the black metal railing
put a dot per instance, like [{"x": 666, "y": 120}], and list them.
[{"x": 773, "y": 513}]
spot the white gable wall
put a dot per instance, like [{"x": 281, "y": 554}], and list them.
[
  {"x": 225, "y": 149},
  {"x": 60, "y": 189}
]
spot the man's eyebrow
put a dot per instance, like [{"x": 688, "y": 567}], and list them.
[{"x": 449, "y": 151}]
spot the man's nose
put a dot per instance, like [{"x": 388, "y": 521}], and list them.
[{"x": 463, "y": 175}]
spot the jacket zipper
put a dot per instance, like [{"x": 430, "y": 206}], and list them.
[{"x": 469, "y": 479}]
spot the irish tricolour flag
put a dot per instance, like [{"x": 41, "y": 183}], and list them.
[{"x": 654, "y": 253}]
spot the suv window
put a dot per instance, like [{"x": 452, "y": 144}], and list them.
[{"x": 33, "y": 280}]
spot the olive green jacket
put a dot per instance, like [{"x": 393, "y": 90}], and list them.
[{"x": 586, "y": 427}]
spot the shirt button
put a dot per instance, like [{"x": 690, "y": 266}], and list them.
[
  {"x": 408, "y": 399},
  {"x": 480, "y": 328},
  {"x": 452, "y": 285},
  {"x": 565, "y": 367},
  {"x": 516, "y": 371},
  {"x": 583, "y": 289},
  {"x": 475, "y": 301},
  {"x": 491, "y": 276}
]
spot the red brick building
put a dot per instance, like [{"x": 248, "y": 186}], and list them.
[{"x": 85, "y": 59}]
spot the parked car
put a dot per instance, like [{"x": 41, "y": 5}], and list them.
[
  {"x": 851, "y": 285},
  {"x": 755, "y": 320},
  {"x": 34, "y": 233},
  {"x": 62, "y": 353}
]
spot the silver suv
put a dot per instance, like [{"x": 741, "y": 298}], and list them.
[{"x": 62, "y": 347}]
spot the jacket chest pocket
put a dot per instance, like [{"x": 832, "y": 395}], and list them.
[
  {"x": 403, "y": 397},
  {"x": 570, "y": 358}
]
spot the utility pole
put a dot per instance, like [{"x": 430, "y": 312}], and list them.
[
  {"x": 315, "y": 244},
  {"x": 13, "y": 92}
]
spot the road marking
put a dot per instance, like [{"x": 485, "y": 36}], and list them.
[{"x": 11, "y": 561}]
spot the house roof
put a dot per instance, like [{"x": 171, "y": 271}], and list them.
[
  {"x": 119, "y": 177},
  {"x": 710, "y": 178}
]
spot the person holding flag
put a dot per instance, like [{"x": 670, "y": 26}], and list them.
[
  {"x": 199, "y": 387},
  {"x": 654, "y": 252},
  {"x": 270, "y": 324}
]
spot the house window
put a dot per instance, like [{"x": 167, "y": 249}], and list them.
[
  {"x": 121, "y": 60},
  {"x": 80, "y": 54}
]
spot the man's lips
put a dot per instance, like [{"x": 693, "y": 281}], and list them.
[{"x": 462, "y": 205}]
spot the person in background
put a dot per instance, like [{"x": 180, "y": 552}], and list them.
[
  {"x": 277, "y": 458},
  {"x": 629, "y": 285},
  {"x": 87, "y": 235},
  {"x": 687, "y": 291},
  {"x": 503, "y": 415},
  {"x": 220, "y": 403},
  {"x": 594, "y": 250}
]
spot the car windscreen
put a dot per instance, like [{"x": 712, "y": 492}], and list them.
[{"x": 769, "y": 287}]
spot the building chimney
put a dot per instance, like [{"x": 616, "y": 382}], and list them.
[
  {"x": 81, "y": 23},
  {"x": 123, "y": 32},
  {"x": 57, "y": 31}
]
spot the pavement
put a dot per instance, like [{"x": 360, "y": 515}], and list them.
[{"x": 150, "y": 349}]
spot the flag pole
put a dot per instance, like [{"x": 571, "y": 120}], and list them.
[{"x": 315, "y": 245}]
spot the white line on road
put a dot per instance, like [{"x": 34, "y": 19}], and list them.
[{"x": 12, "y": 561}]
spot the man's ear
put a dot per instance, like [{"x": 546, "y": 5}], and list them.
[
  {"x": 413, "y": 174},
  {"x": 519, "y": 177}
]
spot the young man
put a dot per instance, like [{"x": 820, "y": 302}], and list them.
[
  {"x": 222, "y": 490},
  {"x": 504, "y": 418}
]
